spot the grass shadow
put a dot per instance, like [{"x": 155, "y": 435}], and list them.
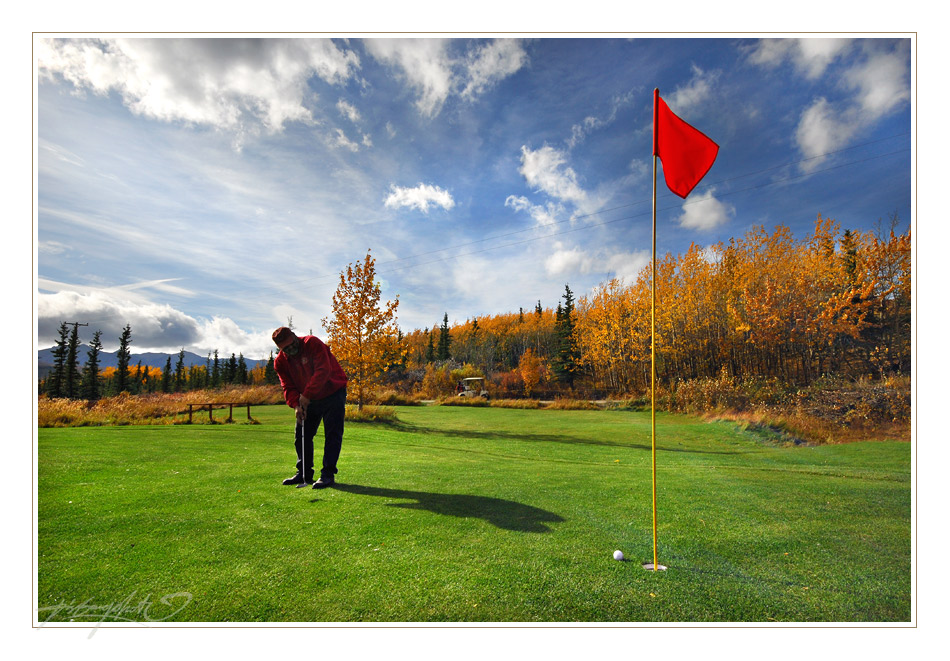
[
  {"x": 551, "y": 438},
  {"x": 506, "y": 514}
]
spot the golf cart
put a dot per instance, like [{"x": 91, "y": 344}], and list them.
[{"x": 472, "y": 387}]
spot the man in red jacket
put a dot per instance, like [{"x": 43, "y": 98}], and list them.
[{"x": 315, "y": 387}]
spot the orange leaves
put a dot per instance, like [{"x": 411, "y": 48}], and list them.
[
  {"x": 764, "y": 304},
  {"x": 362, "y": 335}
]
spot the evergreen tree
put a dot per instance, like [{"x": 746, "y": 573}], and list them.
[
  {"x": 241, "y": 370},
  {"x": 143, "y": 382},
  {"x": 230, "y": 370},
  {"x": 167, "y": 376},
  {"x": 270, "y": 374},
  {"x": 121, "y": 381},
  {"x": 55, "y": 382},
  {"x": 216, "y": 371},
  {"x": 180, "y": 371},
  {"x": 206, "y": 381},
  {"x": 538, "y": 310},
  {"x": 91, "y": 386},
  {"x": 443, "y": 352},
  {"x": 72, "y": 374},
  {"x": 430, "y": 349},
  {"x": 568, "y": 356}
]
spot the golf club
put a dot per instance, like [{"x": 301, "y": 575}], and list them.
[{"x": 299, "y": 433}]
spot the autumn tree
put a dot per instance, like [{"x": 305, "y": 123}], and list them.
[
  {"x": 362, "y": 334},
  {"x": 530, "y": 369}
]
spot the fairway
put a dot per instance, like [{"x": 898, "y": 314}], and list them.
[{"x": 471, "y": 515}]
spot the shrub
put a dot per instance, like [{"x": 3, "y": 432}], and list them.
[
  {"x": 572, "y": 405},
  {"x": 370, "y": 413},
  {"x": 516, "y": 403},
  {"x": 464, "y": 401}
]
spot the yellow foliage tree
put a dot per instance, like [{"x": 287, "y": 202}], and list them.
[
  {"x": 530, "y": 367},
  {"x": 363, "y": 336}
]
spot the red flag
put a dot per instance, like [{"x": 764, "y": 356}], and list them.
[{"x": 686, "y": 152}]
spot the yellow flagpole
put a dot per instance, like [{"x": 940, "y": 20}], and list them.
[
  {"x": 653, "y": 367},
  {"x": 656, "y": 565}
]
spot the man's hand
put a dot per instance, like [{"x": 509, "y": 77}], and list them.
[
  {"x": 301, "y": 413},
  {"x": 304, "y": 402}
]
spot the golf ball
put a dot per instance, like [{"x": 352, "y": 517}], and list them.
[{"x": 618, "y": 555}]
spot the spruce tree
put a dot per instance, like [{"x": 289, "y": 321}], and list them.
[
  {"x": 216, "y": 371},
  {"x": 241, "y": 370},
  {"x": 55, "y": 382},
  {"x": 445, "y": 341},
  {"x": 180, "y": 371},
  {"x": 167, "y": 375},
  {"x": 567, "y": 357},
  {"x": 121, "y": 381},
  {"x": 91, "y": 387},
  {"x": 430, "y": 348},
  {"x": 72, "y": 374},
  {"x": 270, "y": 374}
]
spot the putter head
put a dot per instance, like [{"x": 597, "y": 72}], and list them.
[{"x": 303, "y": 484}]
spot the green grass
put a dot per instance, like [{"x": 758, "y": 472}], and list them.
[{"x": 473, "y": 514}]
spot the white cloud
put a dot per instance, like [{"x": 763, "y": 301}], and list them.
[
  {"x": 348, "y": 110},
  {"x": 545, "y": 169},
  {"x": 881, "y": 82},
  {"x": 431, "y": 70},
  {"x": 342, "y": 141},
  {"x": 822, "y": 129},
  {"x": 590, "y": 124},
  {"x": 568, "y": 261},
  {"x": 810, "y": 56},
  {"x": 492, "y": 62},
  {"x": 877, "y": 74},
  {"x": 543, "y": 214},
  {"x": 575, "y": 261},
  {"x": 155, "y": 327},
  {"x": 695, "y": 93},
  {"x": 420, "y": 197},
  {"x": 233, "y": 84},
  {"x": 705, "y": 212},
  {"x": 424, "y": 62}
]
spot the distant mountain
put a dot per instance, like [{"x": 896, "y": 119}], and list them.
[{"x": 44, "y": 359}]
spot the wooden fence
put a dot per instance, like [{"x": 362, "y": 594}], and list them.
[{"x": 211, "y": 406}]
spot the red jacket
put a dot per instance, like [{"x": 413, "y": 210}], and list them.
[{"x": 313, "y": 372}]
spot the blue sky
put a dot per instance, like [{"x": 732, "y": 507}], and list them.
[{"x": 205, "y": 190}]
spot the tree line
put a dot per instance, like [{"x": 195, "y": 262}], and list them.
[
  {"x": 89, "y": 381},
  {"x": 763, "y": 306}
]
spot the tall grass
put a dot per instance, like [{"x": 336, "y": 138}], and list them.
[{"x": 151, "y": 409}]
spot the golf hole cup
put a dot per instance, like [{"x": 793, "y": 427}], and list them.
[{"x": 618, "y": 555}]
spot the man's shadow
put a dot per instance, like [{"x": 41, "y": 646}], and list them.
[{"x": 505, "y": 514}]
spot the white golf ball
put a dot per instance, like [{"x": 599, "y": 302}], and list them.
[{"x": 618, "y": 555}]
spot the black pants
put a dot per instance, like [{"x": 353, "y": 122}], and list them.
[{"x": 331, "y": 411}]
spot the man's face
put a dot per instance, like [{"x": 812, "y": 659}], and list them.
[{"x": 290, "y": 346}]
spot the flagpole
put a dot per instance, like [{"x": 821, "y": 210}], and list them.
[{"x": 656, "y": 96}]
